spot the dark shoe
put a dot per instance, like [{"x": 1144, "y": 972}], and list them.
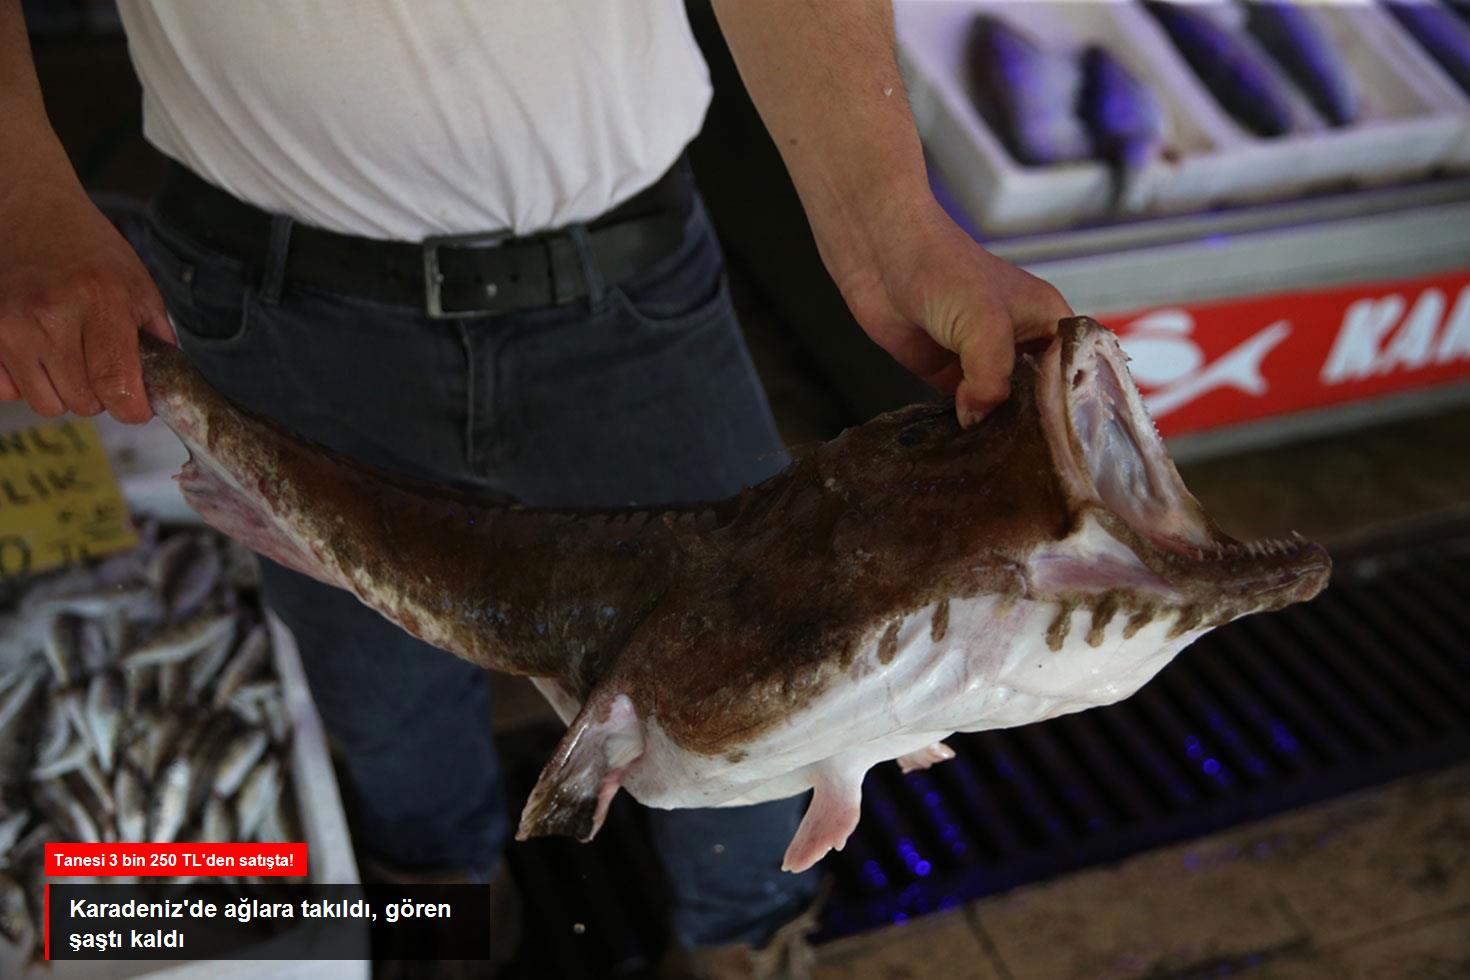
[
  {"x": 788, "y": 955},
  {"x": 505, "y": 923}
]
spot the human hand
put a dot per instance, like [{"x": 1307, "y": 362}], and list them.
[
  {"x": 73, "y": 295},
  {"x": 948, "y": 310}
]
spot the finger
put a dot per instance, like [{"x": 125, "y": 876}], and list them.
[
  {"x": 114, "y": 371},
  {"x": 154, "y": 318},
  {"x": 987, "y": 355},
  {"x": 35, "y": 387},
  {"x": 68, "y": 373},
  {"x": 1036, "y": 310},
  {"x": 8, "y": 391}
]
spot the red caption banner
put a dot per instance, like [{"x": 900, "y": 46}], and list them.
[
  {"x": 170, "y": 860},
  {"x": 1204, "y": 366}
]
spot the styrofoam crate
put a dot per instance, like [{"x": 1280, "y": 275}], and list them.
[
  {"x": 1000, "y": 194},
  {"x": 1433, "y": 80},
  {"x": 1408, "y": 125}
]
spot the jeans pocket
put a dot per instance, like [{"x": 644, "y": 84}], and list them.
[
  {"x": 209, "y": 295},
  {"x": 682, "y": 290}
]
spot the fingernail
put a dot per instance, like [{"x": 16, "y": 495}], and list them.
[{"x": 968, "y": 417}]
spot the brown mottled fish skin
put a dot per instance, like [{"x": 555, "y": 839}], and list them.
[{"x": 722, "y": 622}]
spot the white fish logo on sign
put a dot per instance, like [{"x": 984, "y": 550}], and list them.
[{"x": 1165, "y": 359}]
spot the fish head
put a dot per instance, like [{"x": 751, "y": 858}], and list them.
[{"x": 1133, "y": 529}]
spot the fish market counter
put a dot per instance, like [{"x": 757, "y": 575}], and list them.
[
  {"x": 1261, "y": 324},
  {"x": 1265, "y": 200}
]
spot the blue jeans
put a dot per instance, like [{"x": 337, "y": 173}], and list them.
[{"x": 642, "y": 393}]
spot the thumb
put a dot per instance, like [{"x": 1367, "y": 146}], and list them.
[{"x": 987, "y": 355}]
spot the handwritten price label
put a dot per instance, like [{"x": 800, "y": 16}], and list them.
[{"x": 59, "y": 501}]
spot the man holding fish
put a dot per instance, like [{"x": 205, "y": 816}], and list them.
[{"x": 460, "y": 242}]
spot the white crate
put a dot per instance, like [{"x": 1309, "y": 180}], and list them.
[
  {"x": 1408, "y": 127},
  {"x": 997, "y": 192}
]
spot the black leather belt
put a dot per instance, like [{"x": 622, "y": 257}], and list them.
[{"x": 449, "y": 276}]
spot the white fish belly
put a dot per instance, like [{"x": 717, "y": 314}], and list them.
[{"x": 991, "y": 668}]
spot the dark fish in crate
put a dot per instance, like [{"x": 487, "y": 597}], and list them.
[
  {"x": 1027, "y": 94},
  {"x": 1236, "y": 76},
  {"x": 1292, "y": 35}
]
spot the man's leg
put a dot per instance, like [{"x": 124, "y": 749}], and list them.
[
  {"x": 384, "y": 387},
  {"x": 649, "y": 397}
]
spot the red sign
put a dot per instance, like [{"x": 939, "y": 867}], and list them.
[
  {"x": 1210, "y": 365},
  {"x": 175, "y": 860}
]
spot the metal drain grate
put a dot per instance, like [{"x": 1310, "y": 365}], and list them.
[{"x": 1369, "y": 682}]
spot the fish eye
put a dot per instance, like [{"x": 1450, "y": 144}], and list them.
[{"x": 911, "y": 436}]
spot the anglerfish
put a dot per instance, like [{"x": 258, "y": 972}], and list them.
[{"x": 904, "y": 581}]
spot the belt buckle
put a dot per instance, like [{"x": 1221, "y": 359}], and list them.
[{"x": 434, "y": 276}]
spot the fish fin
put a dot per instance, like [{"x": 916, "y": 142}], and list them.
[
  {"x": 572, "y": 796},
  {"x": 832, "y": 815},
  {"x": 231, "y": 510},
  {"x": 925, "y": 757}
]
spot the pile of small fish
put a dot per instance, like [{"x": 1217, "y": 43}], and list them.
[
  {"x": 137, "y": 703},
  {"x": 1051, "y": 106},
  {"x": 1248, "y": 54}
]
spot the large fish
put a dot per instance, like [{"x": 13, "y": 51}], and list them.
[
  {"x": 1290, "y": 32},
  {"x": 906, "y": 580},
  {"x": 1125, "y": 118},
  {"x": 1438, "y": 31},
  {"x": 1235, "y": 74},
  {"x": 1027, "y": 93}
]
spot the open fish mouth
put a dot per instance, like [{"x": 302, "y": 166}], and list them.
[{"x": 1112, "y": 458}]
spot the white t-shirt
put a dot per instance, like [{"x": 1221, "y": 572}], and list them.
[{"x": 407, "y": 118}]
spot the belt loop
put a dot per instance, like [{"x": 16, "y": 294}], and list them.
[
  {"x": 277, "y": 249},
  {"x": 591, "y": 270}
]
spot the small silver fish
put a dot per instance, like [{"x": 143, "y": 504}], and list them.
[
  {"x": 241, "y": 570},
  {"x": 56, "y": 728},
  {"x": 136, "y": 685},
  {"x": 185, "y": 569},
  {"x": 70, "y": 759},
  {"x": 62, "y": 649},
  {"x": 209, "y": 745},
  {"x": 180, "y": 642},
  {"x": 32, "y": 842},
  {"x": 277, "y": 720},
  {"x": 158, "y": 741},
  {"x": 95, "y": 649},
  {"x": 206, "y": 665},
  {"x": 250, "y": 712},
  {"x": 15, "y": 916},
  {"x": 11, "y": 827},
  {"x": 101, "y": 792},
  {"x": 104, "y": 711},
  {"x": 65, "y": 806},
  {"x": 278, "y": 827},
  {"x": 170, "y": 684},
  {"x": 257, "y": 796},
  {"x": 132, "y": 803},
  {"x": 219, "y": 823},
  {"x": 239, "y": 758},
  {"x": 170, "y": 801},
  {"x": 250, "y": 657},
  {"x": 135, "y": 603}
]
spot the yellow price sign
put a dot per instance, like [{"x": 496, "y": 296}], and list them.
[{"x": 59, "y": 501}]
